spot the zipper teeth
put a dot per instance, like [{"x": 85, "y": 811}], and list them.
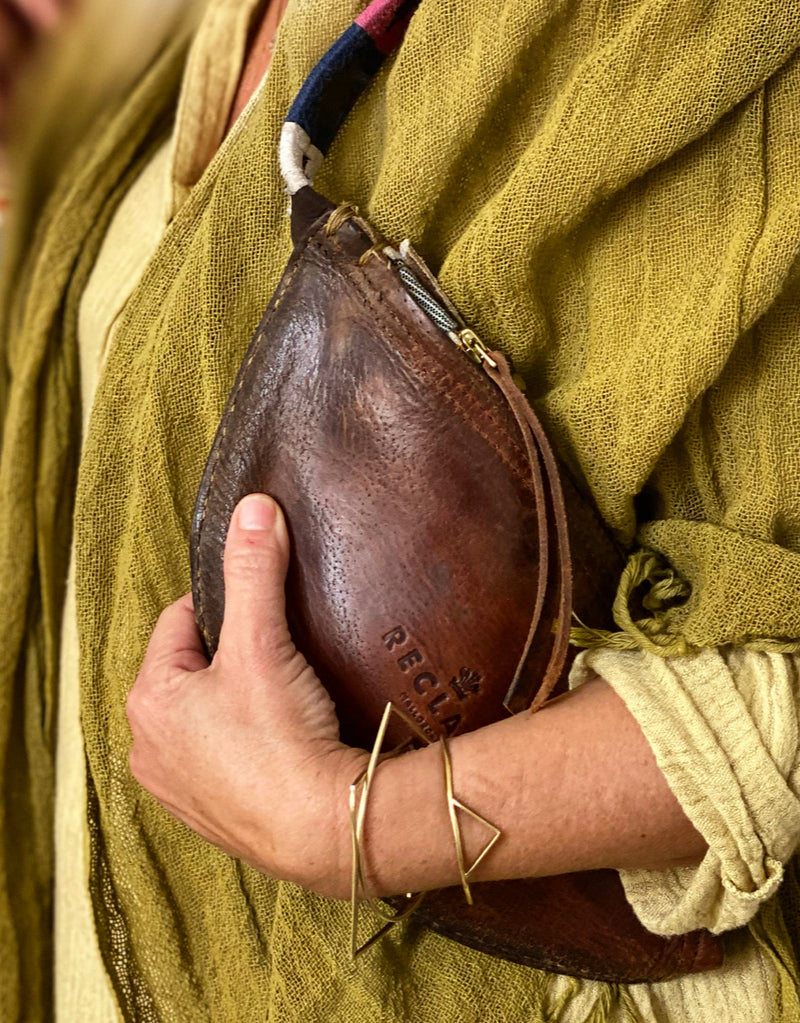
[{"x": 426, "y": 301}]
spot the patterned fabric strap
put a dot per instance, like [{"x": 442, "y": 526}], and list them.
[{"x": 331, "y": 90}]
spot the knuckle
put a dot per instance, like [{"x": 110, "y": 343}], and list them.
[
  {"x": 133, "y": 701},
  {"x": 165, "y": 618},
  {"x": 141, "y": 702},
  {"x": 265, "y": 653},
  {"x": 246, "y": 560},
  {"x": 273, "y": 645},
  {"x": 171, "y": 615}
]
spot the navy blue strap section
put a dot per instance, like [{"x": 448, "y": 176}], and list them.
[
  {"x": 334, "y": 85},
  {"x": 330, "y": 92}
]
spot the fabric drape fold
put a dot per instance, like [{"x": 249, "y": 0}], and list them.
[{"x": 607, "y": 192}]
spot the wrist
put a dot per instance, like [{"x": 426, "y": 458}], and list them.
[
  {"x": 322, "y": 861},
  {"x": 408, "y": 838}
]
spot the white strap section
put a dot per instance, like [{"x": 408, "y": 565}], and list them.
[{"x": 299, "y": 159}]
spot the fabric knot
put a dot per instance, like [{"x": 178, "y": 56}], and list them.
[
  {"x": 665, "y": 589},
  {"x": 774, "y": 871}
]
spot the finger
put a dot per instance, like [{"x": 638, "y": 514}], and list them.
[
  {"x": 256, "y": 559},
  {"x": 176, "y": 643}
]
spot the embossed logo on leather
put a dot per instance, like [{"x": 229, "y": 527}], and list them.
[{"x": 441, "y": 703}]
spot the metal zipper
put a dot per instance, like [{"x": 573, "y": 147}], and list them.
[{"x": 462, "y": 337}]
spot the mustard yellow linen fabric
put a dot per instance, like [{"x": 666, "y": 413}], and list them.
[
  {"x": 82, "y": 990},
  {"x": 746, "y": 983},
  {"x": 41, "y": 434},
  {"x": 613, "y": 231}
]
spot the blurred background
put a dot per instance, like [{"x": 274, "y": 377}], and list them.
[
  {"x": 60, "y": 61},
  {"x": 23, "y": 23},
  {"x": 23, "y": 26}
]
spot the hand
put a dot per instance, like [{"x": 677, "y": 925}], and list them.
[{"x": 245, "y": 750}]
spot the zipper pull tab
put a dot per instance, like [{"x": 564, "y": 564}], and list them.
[{"x": 469, "y": 342}]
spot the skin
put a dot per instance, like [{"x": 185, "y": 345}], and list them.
[
  {"x": 246, "y": 752},
  {"x": 258, "y": 57}
]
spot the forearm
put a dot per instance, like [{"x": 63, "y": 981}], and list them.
[
  {"x": 246, "y": 751},
  {"x": 723, "y": 725},
  {"x": 573, "y": 787}
]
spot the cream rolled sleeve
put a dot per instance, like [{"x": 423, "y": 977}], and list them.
[{"x": 723, "y": 726}]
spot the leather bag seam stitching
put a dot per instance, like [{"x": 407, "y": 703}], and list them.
[
  {"x": 424, "y": 365},
  {"x": 256, "y": 348}
]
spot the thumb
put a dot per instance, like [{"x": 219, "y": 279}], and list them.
[{"x": 256, "y": 560}]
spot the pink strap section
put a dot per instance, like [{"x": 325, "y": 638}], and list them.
[{"x": 386, "y": 21}]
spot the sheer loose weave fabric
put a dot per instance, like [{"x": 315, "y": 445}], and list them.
[{"x": 608, "y": 193}]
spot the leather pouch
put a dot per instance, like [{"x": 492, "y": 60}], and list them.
[{"x": 438, "y": 549}]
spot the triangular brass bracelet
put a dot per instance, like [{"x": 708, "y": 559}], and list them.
[{"x": 359, "y": 795}]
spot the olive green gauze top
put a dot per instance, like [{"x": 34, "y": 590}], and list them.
[{"x": 608, "y": 193}]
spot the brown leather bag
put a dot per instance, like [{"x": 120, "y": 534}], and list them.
[{"x": 432, "y": 563}]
